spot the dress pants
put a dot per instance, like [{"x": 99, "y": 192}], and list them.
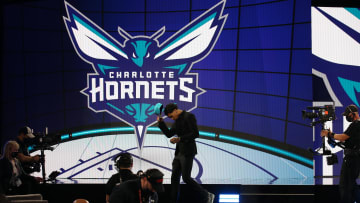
[{"x": 182, "y": 165}]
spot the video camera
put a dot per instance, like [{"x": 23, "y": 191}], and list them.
[
  {"x": 320, "y": 115},
  {"x": 43, "y": 141}
]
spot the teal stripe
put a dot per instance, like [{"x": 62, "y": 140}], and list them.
[
  {"x": 116, "y": 108},
  {"x": 202, "y": 133},
  {"x": 207, "y": 134},
  {"x": 354, "y": 11},
  {"x": 267, "y": 147},
  {"x": 96, "y": 32},
  {"x": 154, "y": 129},
  {"x": 190, "y": 30},
  {"x": 105, "y": 130},
  {"x": 180, "y": 67},
  {"x": 64, "y": 137},
  {"x": 103, "y": 67}
]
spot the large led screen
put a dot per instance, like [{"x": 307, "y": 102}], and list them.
[{"x": 241, "y": 67}]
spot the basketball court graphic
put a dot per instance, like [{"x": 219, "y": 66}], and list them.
[{"x": 91, "y": 159}]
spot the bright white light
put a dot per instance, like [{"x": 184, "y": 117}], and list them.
[{"x": 229, "y": 198}]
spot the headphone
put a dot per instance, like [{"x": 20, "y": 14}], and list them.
[
  {"x": 122, "y": 158},
  {"x": 352, "y": 113}
]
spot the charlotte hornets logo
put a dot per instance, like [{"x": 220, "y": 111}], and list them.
[{"x": 129, "y": 78}]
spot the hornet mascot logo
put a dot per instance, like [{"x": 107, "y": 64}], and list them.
[
  {"x": 337, "y": 61},
  {"x": 131, "y": 77}
]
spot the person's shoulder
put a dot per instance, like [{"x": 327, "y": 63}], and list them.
[
  {"x": 127, "y": 174},
  {"x": 188, "y": 114},
  {"x": 355, "y": 123},
  {"x": 133, "y": 182},
  {"x": 133, "y": 176},
  {"x": 114, "y": 177}
]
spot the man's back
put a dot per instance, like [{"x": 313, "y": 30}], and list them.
[
  {"x": 122, "y": 176},
  {"x": 127, "y": 192}
]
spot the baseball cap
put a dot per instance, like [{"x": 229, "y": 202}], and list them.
[
  {"x": 27, "y": 131},
  {"x": 158, "y": 109},
  {"x": 349, "y": 109},
  {"x": 155, "y": 177}
]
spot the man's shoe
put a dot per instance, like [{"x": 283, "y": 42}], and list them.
[{"x": 211, "y": 197}]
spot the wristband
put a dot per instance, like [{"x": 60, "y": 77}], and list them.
[{"x": 331, "y": 134}]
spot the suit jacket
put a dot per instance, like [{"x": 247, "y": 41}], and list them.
[{"x": 186, "y": 128}]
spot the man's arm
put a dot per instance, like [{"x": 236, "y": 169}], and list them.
[
  {"x": 109, "y": 187},
  {"x": 194, "y": 132},
  {"x": 168, "y": 133},
  {"x": 28, "y": 159},
  {"x": 340, "y": 137}
]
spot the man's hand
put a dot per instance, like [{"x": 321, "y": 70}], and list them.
[
  {"x": 35, "y": 158},
  {"x": 38, "y": 179},
  {"x": 324, "y": 133},
  {"x": 175, "y": 140},
  {"x": 159, "y": 119}
]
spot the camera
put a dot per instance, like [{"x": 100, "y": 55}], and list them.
[
  {"x": 44, "y": 142},
  {"x": 320, "y": 114}
]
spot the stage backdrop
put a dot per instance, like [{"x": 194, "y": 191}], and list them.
[
  {"x": 92, "y": 72},
  {"x": 335, "y": 61}
]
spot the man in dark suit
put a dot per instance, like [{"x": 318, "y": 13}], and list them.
[{"x": 186, "y": 129}]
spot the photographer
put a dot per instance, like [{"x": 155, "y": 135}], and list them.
[
  {"x": 23, "y": 138},
  {"x": 123, "y": 164},
  {"x": 143, "y": 189},
  {"x": 349, "y": 191}
]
